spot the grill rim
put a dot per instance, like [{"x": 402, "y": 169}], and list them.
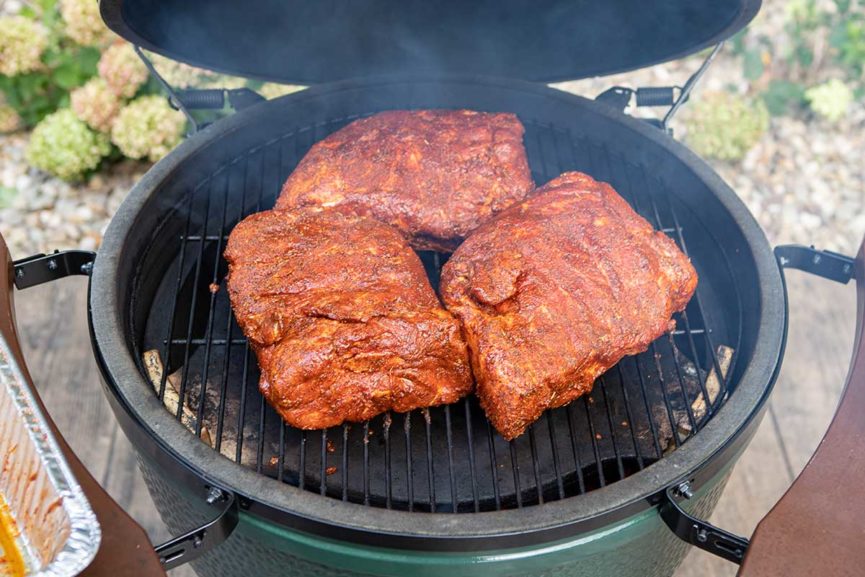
[{"x": 155, "y": 431}]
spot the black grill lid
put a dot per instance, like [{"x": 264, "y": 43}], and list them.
[{"x": 324, "y": 40}]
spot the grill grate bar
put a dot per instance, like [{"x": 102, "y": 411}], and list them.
[
  {"x": 535, "y": 464},
  {"x": 602, "y": 384},
  {"x": 494, "y": 467},
  {"x": 581, "y": 481},
  {"x": 387, "y": 470},
  {"x": 516, "y": 468},
  {"x": 241, "y": 413},
  {"x": 259, "y": 454},
  {"x": 560, "y": 486},
  {"x": 470, "y": 442},
  {"x": 323, "y": 458},
  {"x": 595, "y": 437},
  {"x": 408, "y": 461},
  {"x": 449, "y": 436},
  {"x": 429, "y": 460},
  {"x": 345, "y": 427},
  {"x": 366, "y": 463},
  {"x": 280, "y": 463},
  {"x": 301, "y": 466}
]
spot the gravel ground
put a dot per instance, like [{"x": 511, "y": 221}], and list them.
[
  {"x": 804, "y": 181},
  {"x": 39, "y": 213}
]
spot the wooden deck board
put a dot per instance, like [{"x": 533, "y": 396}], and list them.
[{"x": 55, "y": 339}]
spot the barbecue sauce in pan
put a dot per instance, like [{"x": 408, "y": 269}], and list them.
[{"x": 11, "y": 562}]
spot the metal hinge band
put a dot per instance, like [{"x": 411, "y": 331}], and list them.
[
  {"x": 824, "y": 263},
  {"x": 42, "y": 268},
  {"x": 699, "y": 533},
  {"x": 195, "y": 543}
]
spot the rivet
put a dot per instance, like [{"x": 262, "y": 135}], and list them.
[
  {"x": 702, "y": 536},
  {"x": 52, "y": 264}
]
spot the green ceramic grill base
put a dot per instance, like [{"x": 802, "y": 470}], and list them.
[{"x": 641, "y": 546}]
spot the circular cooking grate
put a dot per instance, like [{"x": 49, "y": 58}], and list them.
[{"x": 445, "y": 459}]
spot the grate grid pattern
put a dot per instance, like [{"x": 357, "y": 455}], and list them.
[{"x": 444, "y": 459}]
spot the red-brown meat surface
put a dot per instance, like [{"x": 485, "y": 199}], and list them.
[
  {"x": 434, "y": 174},
  {"x": 343, "y": 320},
  {"x": 555, "y": 291}
]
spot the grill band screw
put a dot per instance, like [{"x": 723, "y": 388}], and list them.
[{"x": 684, "y": 489}]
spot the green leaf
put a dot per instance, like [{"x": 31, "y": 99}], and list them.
[
  {"x": 88, "y": 60},
  {"x": 753, "y": 64},
  {"x": 782, "y": 96},
  {"x": 66, "y": 76},
  {"x": 738, "y": 41},
  {"x": 804, "y": 55},
  {"x": 843, "y": 6},
  {"x": 837, "y": 35}
]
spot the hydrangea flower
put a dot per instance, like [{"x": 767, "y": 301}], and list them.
[
  {"x": 95, "y": 104},
  {"x": 9, "y": 119},
  {"x": 271, "y": 90},
  {"x": 122, "y": 70},
  {"x": 830, "y": 99},
  {"x": 22, "y": 42},
  {"x": 83, "y": 24},
  {"x": 147, "y": 128},
  {"x": 725, "y": 126},
  {"x": 64, "y": 146}
]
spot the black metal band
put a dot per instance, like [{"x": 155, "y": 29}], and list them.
[
  {"x": 42, "y": 268},
  {"x": 699, "y": 533},
  {"x": 824, "y": 263},
  {"x": 195, "y": 543}
]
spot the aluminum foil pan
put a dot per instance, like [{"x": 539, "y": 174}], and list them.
[{"x": 48, "y": 527}]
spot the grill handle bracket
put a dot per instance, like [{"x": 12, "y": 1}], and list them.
[
  {"x": 187, "y": 101},
  {"x": 619, "y": 97},
  {"x": 42, "y": 268},
  {"x": 824, "y": 263},
  {"x": 197, "y": 542},
  {"x": 697, "y": 532}
]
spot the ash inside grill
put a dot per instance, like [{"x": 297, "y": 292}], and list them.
[{"x": 445, "y": 459}]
